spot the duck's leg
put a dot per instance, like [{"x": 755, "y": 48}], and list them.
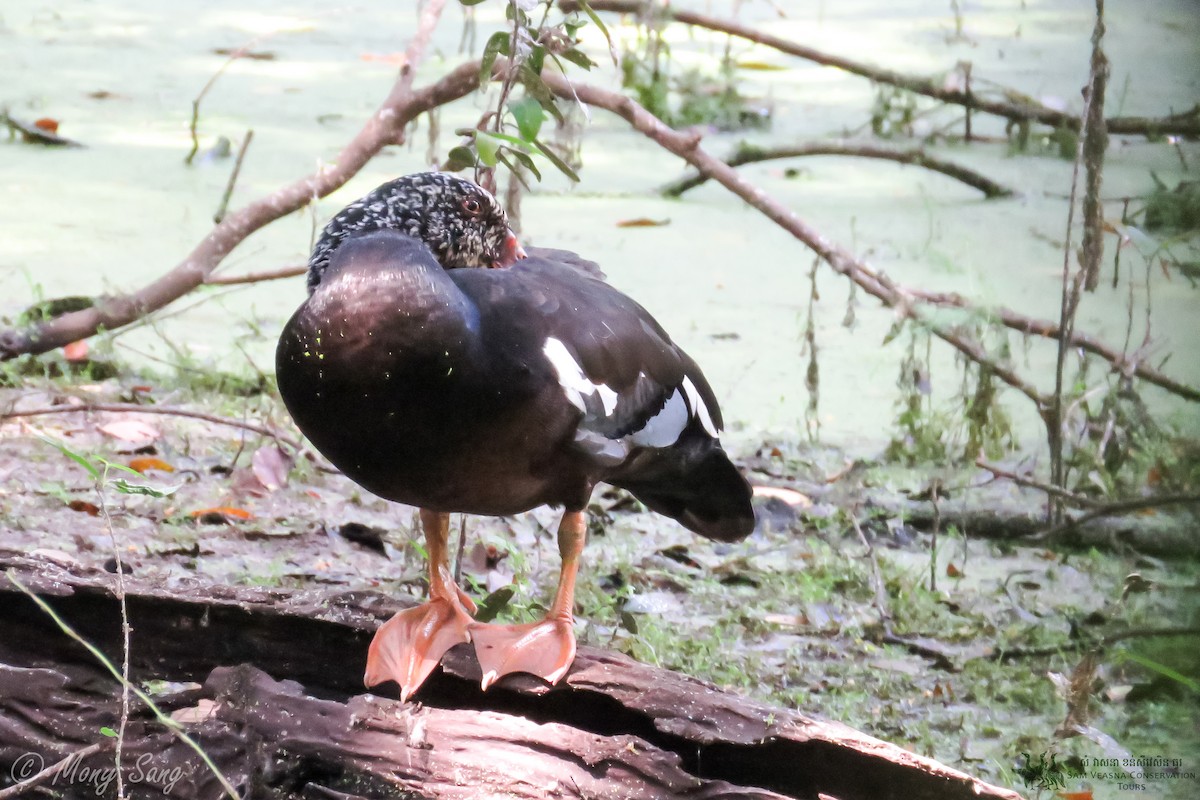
[
  {"x": 409, "y": 645},
  {"x": 545, "y": 648}
]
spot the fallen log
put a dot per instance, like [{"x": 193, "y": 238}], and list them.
[{"x": 277, "y": 703}]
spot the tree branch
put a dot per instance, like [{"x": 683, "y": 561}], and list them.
[
  {"x": 256, "y": 277},
  {"x": 893, "y": 295},
  {"x": 1186, "y": 123},
  {"x": 749, "y": 154},
  {"x": 687, "y": 147},
  {"x": 170, "y": 411},
  {"x": 385, "y": 127},
  {"x": 1119, "y": 507}
]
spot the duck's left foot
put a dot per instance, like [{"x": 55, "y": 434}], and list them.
[
  {"x": 545, "y": 649},
  {"x": 408, "y": 647}
]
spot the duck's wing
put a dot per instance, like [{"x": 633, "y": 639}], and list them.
[
  {"x": 647, "y": 419},
  {"x": 611, "y": 357}
]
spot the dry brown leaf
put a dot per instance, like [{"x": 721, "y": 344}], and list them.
[
  {"x": 143, "y": 465},
  {"x": 271, "y": 465},
  {"x": 84, "y": 507},
  {"x": 131, "y": 430},
  {"x": 203, "y": 709},
  {"x": 220, "y": 514},
  {"x": 643, "y": 222},
  {"x": 1077, "y": 690}
]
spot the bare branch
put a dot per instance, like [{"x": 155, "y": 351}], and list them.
[
  {"x": 233, "y": 176},
  {"x": 1032, "y": 483},
  {"x": 1021, "y": 108},
  {"x": 171, "y": 411},
  {"x": 385, "y": 127},
  {"x": 687, "y": 147},
  {"x": 1119, "y": 507},
  {"x": 916, "y": 156},
  {"x": 255, "y": 277}
]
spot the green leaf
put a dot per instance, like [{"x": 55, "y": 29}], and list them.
[
  {"x": 470, "y": 2},
  {"x": 534, "y": 84},
  {"x": 537, "y": 57},
  {"x": 599, "y": 23},
  {"x": 494, "y": 603},
  {"x": 513, "y": 140},
  {"x": 125, "y": 487},
  {"x": 1164, "y": 670},
  {"x": 510, "y": 167},
  {"x": 893, "y": 331},
  {"x": 487, "y": 144},
  {"x": 497, "y": 44},
  {"x": 109, "y": 732},
  {"x": 459, "y": 158},
  {"x": 578, "y": 57},
  {"x": 92, "y": 469},
  {"x": 116, "y": 465},
  {"x": 528, "y": 164},
  {"x": 553, "y": 158},
  {"x": 529, "y": 115}
]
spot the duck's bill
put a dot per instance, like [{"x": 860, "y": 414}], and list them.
[{"x": 511, "y": 253}]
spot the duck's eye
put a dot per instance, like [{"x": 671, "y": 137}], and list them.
[{"x": 472, "y": 206}]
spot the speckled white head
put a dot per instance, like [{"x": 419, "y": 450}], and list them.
[{"x": 461, "y": 223}]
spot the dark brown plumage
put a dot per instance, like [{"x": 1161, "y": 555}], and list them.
[{"x": 492, "y": 392}]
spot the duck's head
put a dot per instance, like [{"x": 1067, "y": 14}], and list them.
[{"x": 461, "y": 223}]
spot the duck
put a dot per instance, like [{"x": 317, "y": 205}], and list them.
[{"x": 441, "y": 365}]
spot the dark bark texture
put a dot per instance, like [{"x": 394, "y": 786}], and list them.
[{"x": 270, "y": 685}]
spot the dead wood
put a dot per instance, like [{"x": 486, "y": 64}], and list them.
[
  {"x": 916, "y": 156},
  {"x": 281, "y": 710},
  {"x": 1016, "y": 107}
]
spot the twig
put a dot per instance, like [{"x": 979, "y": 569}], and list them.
[
  {"x": 1186, "y": 123},
  {"x": 1071, "y": 290},
  {"x": 1082, "y": 643},
  {"x": 237, "y": 167},
  {"x": 255, "y": 277},
  {"x": 1120, "y": 361},
  {"x": 119, "y": 593},
  {"x": 171, "y": 411},
  {"x": 935, "y": 490},
  {"x": 402, "y": 105},
  {"x": 1113, "y": 509},
  {"x": 881, "y": 598},
  {"x": 914, "y": 156},
  {"x": 1024, "y": 480},
  {"x": 234, "y": 56},
  {"x": 1093, "y": 147},
  {"x": 170, "y": 724},
  {"x": 33, "y": 781}
]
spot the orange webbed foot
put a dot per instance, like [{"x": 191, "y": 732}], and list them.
[
  {"x": 545, "y": 649},
  {"x": 409, "y": 645}
]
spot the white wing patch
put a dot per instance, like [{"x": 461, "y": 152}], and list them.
[
  {"x": 574, "y": 383},
  {"x": 698, "y": 407},
  {"x": 663, "y": 429}
]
